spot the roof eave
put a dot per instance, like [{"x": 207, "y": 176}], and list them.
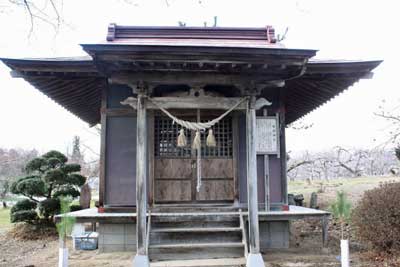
[{"x": 93, "y": 49}]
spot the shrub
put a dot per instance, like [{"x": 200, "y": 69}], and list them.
[
  {"x": 49, "y": 207},
  {"x": 29, "y": 186},
  {"x": 28, "y": 216},
  {"x": 49, "y": 177},
  {"x": 377, "y": 217},
  {"x": 24, "y": 204},
  {"x": 66, "y": 190}
]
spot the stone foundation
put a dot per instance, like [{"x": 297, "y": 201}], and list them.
[
  {"x": 122, "y": 237},
  {"x": 274, "y": 234},
  {"x": 117, "y": 237}
]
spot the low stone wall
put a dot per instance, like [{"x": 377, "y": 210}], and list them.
[{"x": 117, "y": 237}]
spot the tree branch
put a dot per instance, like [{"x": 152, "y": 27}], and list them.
[
  {"x": 298, "y": 164},
  {"x": 31, "y": 17}
]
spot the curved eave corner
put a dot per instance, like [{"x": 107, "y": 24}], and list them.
[
  {"x": 54, "y": 77},
  {"x": 322, "y": 82}
]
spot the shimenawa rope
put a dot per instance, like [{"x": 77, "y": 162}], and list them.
[{"x": 197, "y": 126}]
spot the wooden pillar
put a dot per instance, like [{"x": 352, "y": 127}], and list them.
[
  {"x": 266, "y": 176},
  {"x": 254, "y": 258},
  {"x": 141, "y": 258},
  {"x": 325, "y": 225},
  {"x": 282, "y": 142}
]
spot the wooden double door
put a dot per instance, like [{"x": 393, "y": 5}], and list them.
[{"x": 175, "y": 168}]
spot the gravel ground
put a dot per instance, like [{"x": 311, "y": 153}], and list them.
[{"x": 305, "y": 251}]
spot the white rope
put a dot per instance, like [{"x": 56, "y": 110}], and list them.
[{"x": 197, "y": 126}]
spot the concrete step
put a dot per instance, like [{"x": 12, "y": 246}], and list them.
[
  {"x": 195, "y": 220},
  {"x": 228, "y": 223},
  {"x": 224, "y": 262},
  {"x": 196, "y": 229},
  {"x": 194, "y": 237},
  {"x": 198, "y": 245},
  {"x": 196, "y": 251},
  {"x": 204, "y": 235},
  {"x": 182, "y": 208}
]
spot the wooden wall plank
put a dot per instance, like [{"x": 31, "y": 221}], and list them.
[{"x": 103, "y": 138}]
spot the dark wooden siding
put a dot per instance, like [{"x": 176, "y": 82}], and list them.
[
  {"x": 116, "y": 94},
  {"x": 120, "y": 149},
  {"x": 275, "y": 179},
  {"x": 121, "y": 161}
]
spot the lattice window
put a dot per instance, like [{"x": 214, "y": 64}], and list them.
[
  {"x": 166, "y": 134},
  {"x": 165, "y": 137},
  {"x": 223, "y": 135}
]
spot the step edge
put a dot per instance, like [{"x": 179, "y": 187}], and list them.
[
  {"x": 193, "y": 229},
  {"x": 197, "y": 245}
]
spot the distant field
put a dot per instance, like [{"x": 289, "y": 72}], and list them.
[
  {"x": 4, "y": 219},
  {"x": 326, "y": 189}
]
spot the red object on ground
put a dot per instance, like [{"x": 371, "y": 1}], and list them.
[
  {"x": 100, "y": 209},
  {"x": 285, "y": 207}
]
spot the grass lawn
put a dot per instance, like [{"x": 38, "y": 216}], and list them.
[{"x": 4, "y": 219}]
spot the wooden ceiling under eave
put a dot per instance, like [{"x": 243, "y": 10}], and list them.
[
  {"x": 73, "y": 83},
  {"x": 76, "y": 84},
  {"x": 322, "y": 81}
]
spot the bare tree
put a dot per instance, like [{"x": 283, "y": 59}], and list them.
[
  {"x": 351, "y": 161},
  {"x": 12, "y": 163},
  {"x": 43, "y": 11},
  {"x": 295, "y": 164},
  {"x": 342, "y": 162}
]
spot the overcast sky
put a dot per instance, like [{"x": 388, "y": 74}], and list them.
[{"x": 339, "y": 29}]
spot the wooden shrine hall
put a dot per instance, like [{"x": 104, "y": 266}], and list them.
[{"x": 193, "y": 155}]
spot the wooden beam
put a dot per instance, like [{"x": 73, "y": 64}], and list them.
[
  {"x": 206, "y": 58},
  {"x": 194, "y": 78},
  {"x": 205, "y": 102}
]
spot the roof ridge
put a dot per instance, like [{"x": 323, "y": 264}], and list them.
[{"x": 177, "y": 32}]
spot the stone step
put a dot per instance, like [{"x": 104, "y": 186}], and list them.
[
  {"x": 195, "y": 229},
  {"x": 224, "y": 262},
  {"x": 199, "y": 245},
  {"x": 194, "y": 208},
  {"x": 184, "y": 224},
  {"x": 196, "y": 251},
  {"x": 198, "y": 220},
  {"x": 179, "y": 237},
  {"x": 201, "y": 235}
]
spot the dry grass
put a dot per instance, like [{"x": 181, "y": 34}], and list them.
[
  {"x": 354, "y": 187},
  {"x": 4, "y": 219},
  {"x": 23, "y": 231}
]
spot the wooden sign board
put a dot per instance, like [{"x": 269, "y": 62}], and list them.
[{"x": 267, "y": 135}]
